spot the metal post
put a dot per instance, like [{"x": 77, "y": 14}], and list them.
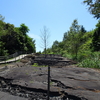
[
  {"x": 48, "y": 92},
  {"x": 6, "y": 60}
]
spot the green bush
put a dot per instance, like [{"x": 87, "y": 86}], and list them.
[
  {"x": 67, "y": 55},
  {"x": 92, "y": 61},
  {"x": 83, "y": 55},
  {"x": 35, "y": 65}
]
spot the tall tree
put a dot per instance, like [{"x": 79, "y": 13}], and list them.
[
  {"x": 65, "y": 36},
  {"x": 73, "y": 39},
  {"x": 23, "y": 35},
  {"x": 96, "y": 38},
  {"x": 94, "y": 7},
  {"x": 82, "y": 29}
]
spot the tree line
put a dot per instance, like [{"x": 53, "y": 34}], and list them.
[
  {"x": 14, "y": 39},
  {"x": 79, "y": 44},
  {"x": 77, "y": 40}
]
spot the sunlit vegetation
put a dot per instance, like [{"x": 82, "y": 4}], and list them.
[
  {"x": 14, "y": 39},
  {"x": 80, "y": 45},
  {"x": 36, "y": 65}
]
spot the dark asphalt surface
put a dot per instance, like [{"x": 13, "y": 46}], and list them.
[
  {"x": 80, "y": 82},
  {"x": 7, "y": 96}
]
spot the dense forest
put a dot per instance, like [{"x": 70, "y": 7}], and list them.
[{"x": 14, "y": 39}]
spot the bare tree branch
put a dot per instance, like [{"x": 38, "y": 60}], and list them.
[{"x": 44, "y": 38}]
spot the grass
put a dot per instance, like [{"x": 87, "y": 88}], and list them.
[
  {"x": 51, "y": 83},
  {"x": 92, "y": 61},
  {"x": 27, "y": 73},
  {"x": 36, "y": 65},
  {"x": 31, "y": 81}
]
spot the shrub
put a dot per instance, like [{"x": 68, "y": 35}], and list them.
[
  {"x": 35, "y": 65},
  {"x": 92, "y": 61}
]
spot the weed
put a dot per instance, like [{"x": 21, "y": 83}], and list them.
[
  {"x": 27, "y": 73},
  {"x": 36, "y": 65},
  {"x": 31, "y": 82}
]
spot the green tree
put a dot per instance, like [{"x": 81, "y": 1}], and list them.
[
  {"x": 82, "y": 29},
  {"x": 94, "y": 7},
  {"x": 73, "y": 38},
  {"x": 24, "y": 29},
  {"x": 65, "y": 36},
  {"x": 55, "y": 47},
  {"x": 96, "y": 38},
  {"x": 13, "y": 39},
  {"x": 30, "y": 45},
  {"x": 3, "y": 51}
]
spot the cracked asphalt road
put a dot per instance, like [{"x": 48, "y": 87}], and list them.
[
  {"x": 80, "y": 82},
  {"x": 7, "y": 96}
]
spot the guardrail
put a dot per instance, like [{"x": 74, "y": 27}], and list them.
[
  {"x": 3, "y": 58},
  {"x": 20, "y": 55}
]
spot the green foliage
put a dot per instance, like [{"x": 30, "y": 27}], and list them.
[
  {"x": 3, "y": 52},
  {"x": 84, "y": 54},
  {"x": 13, "y": 39},
  {"x": 94, "y": 7},
  {"x": 79, "y": 44},
  {"x": 67, "y": 55},
  {"x": 24, "y": 29},
  {"x": 57, "y": 47},
  {"x": 36, "y": 65},
  {"x": 71, "y": 43},
  {"x": 92, "y": 61},
  {"x": 39, "y": 52},
  {"x": 48, "y": 51},
  {"x": 96, "y": 38},
  {"x": 72, "y": 39}
]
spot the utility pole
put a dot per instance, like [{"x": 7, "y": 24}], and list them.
[{"x": 48, "y": 92}]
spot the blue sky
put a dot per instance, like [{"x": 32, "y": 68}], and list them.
[{"x": 56, "y": 15}]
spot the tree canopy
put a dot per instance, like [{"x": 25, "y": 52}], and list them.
[
  {"x": 14, "y": 39},
  {"x": 94, "y": 7},
  {"x": 96, "y": 38}
]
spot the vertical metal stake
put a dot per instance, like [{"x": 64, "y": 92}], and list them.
[{"x": 48, "y": 92}]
